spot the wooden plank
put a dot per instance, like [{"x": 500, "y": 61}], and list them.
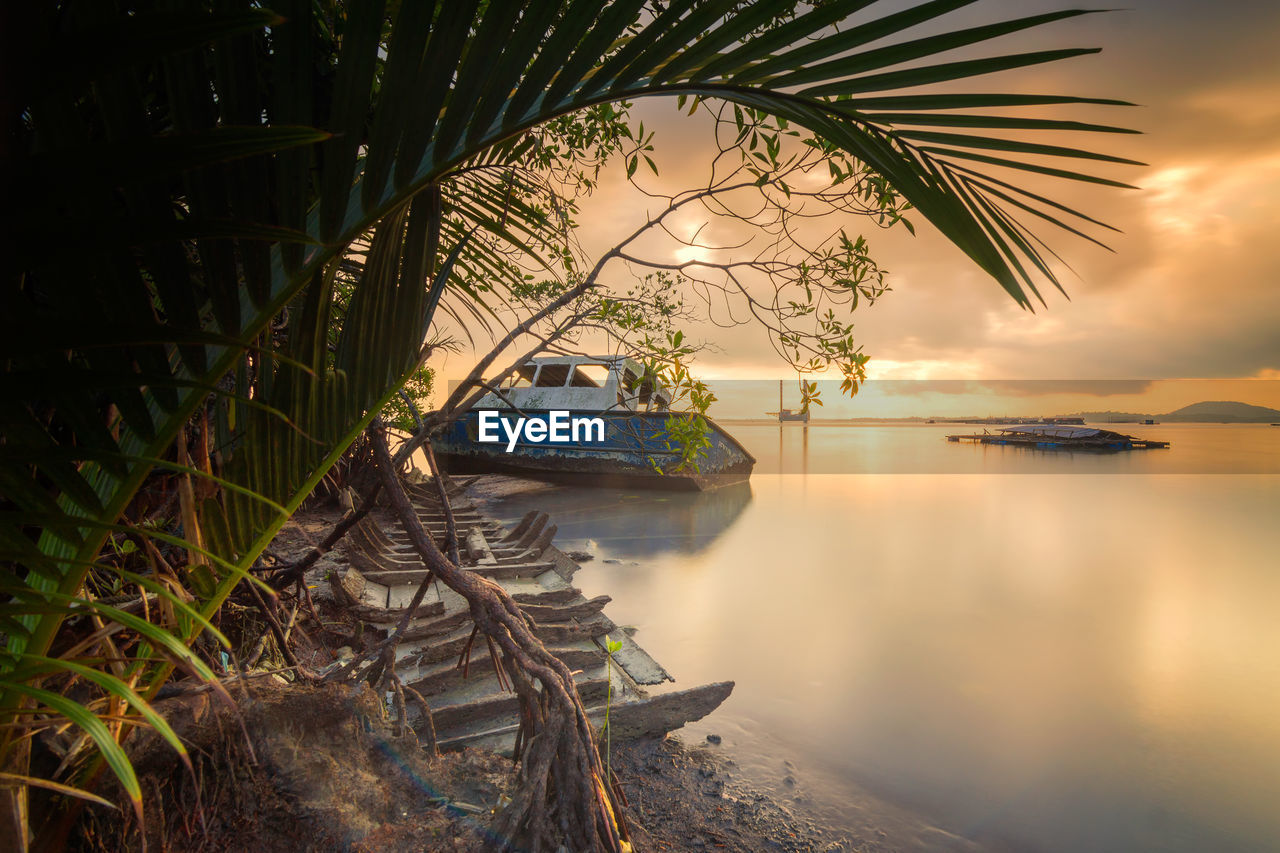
[
  {"x": 394, "y": 577},
  {"x": 534, "y": 529},
  {"x": 651, "y": 716},
  {"x": 637, "y": 663},
  {"x": 392, "y": 615},
  {"x": 458, "y": 627},
  {"x": 563, "y": 632},
  {"x": 448, "y": 676},
  {"x": 522, "y": 526},
  {"x": 551, "y": 596},
  {"x": 658, "y": 715},
  {"x": 478, "y": 548},
  {"x": 568, "y": 610},
  {"x": 543, "y": 541},
  {"x": 447, "y": 717}
]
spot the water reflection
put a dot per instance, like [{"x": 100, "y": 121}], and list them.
[
  {"x": 1036, "y": 662},
  {"x": 916, "y": 448},
  {"x": 632, "y": 524}
]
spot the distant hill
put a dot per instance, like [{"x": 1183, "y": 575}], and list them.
[
  {"x": 1207, "y": 412},
  {"x": 1224, "y": 412}
]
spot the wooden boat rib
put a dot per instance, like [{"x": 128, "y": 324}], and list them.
[{"x": 472, "y": 708}]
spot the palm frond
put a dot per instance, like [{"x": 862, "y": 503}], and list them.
[{"x": 201, "y": 176}]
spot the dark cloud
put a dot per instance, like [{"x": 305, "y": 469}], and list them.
[
  {"x": 1012, "y": 387},
  {"x": 1193, "y": 286}
]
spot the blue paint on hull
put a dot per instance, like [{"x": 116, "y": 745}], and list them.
[{"x": 633, "y": 443}]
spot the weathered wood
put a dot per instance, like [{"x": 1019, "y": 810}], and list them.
[
  {"x": 478, "y": 548},
  {"x": 393, "y": 577},
  {"x": 371, "y": 533},
  {"x": 448, "y": 717},
  {"x": 348, "y": 586},
  {"x": 646, "y": 717},
  {"x": 533, "y": 530},
  {"x": 637, "y": 663},
  {"x": 383, "y": 615},
  {"x": 450, "y": 677},
  {"x": 437, "y": 626},
  {"x": 565, "y": 632},
  {"x": 658, "y": 715},
  {"x": 573, "y": 628},
  {"x": 373, "y": 568},
  {"x": 430, "y": 514},
  {"x": 426, "y": 515},
  {"x": 448, "y": 648},
  {"x": 420, "y": 492},
  {"x": 451, "y": 646},
  {"x": 544, "y": 540},
  {"x": 522, "y": 526},
  {"x": 568, "y": 610},
  {"x": 551, "y": 596}
]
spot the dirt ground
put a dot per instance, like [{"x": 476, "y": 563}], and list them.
[
  {"x": 683, "y": 798},
  {"x": 291, "y": 768},
  {"x": 695, "y": 797}
]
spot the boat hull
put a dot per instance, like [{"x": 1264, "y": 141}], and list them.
[{"x": 634, "y": 453}]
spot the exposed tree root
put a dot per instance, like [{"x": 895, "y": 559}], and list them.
[
  {"x": 562, "y": 798},
  {"x": 293, "y": 573}
]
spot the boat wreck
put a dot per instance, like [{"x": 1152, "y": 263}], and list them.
[
  {"x": 1053, "y": 436},
  {"x": 529, "y": 428},
  {"x": 469, "y": 704}
]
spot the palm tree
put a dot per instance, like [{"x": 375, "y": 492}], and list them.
[{"x": 190, "y": 179}]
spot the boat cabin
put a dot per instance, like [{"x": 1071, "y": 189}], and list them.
[{"x": 580, "y": 383}]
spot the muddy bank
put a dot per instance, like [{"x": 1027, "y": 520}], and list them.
[
  {"x": 694, "y": 797},
  {"x": 295, "y": 768},
  {"x": 298, "y": 768}
]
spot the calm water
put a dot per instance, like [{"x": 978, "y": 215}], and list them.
[{"x": 1038, "y": 662}]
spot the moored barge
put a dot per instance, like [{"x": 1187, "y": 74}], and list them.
[{"x": 1052, "y": 436}]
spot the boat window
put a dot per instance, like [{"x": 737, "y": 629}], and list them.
[
  {"x": 521, "y": 377},
  {"x": 552, "y": 375},
  {"x": 590, "y": 376}
]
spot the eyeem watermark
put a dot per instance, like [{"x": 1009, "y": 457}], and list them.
[{"x": 559, "y": 427}]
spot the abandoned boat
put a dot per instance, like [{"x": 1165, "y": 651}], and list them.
[
  {"x": 377, "y": 575},
  {"x": 1058, "y": 437},
  {"x": 591, "y": 420}
]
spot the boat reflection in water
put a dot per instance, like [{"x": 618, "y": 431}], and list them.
[{"x": 626, "y": 523}]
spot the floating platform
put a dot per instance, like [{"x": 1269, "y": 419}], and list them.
[
  {"x": 1055, "y": 437},
  {"x": 468, "y": 705}
]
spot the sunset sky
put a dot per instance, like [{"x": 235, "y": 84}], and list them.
[{"x": 1191, "y": 290}]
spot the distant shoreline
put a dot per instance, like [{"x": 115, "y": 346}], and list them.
[
  {"x": 1204, "y": 412},
  {"x": 955, "y": 422}
]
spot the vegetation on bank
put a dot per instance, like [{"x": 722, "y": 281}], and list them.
[{"x": 239, "y": 227}]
